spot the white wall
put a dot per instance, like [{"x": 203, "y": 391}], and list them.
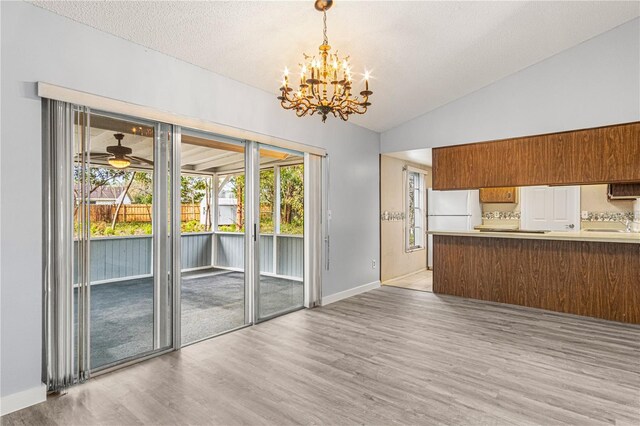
[
  {"x": 394, "y": 260},
  {"x": 593, "y": 84},
  {"x": 38, "y": 45}
]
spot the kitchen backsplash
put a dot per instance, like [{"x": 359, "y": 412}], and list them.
[
  {"x": 391, "y": 216},
  {"x": 607, "y": 216},
  {"x": 501, "y": 215}
]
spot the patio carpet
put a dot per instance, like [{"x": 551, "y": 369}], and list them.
[{"x": 122, "y": 312}]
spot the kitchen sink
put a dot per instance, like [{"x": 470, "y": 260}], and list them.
[{"x": 519, "y": 231}]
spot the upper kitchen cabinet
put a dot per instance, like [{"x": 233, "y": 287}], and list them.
[
  {"x": 599, "y": 155},
  {"x": 623, "y": 191},
  {"x": 499, "y": 195}
]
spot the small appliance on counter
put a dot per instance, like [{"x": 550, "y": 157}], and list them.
[{"x": 451, "y": 211}]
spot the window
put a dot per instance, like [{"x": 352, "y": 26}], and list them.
[{"x": 415, "y": 214}]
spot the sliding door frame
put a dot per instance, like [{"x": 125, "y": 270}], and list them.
[
  {"x": 166, "y": 227},
  {"x": 176, "y": 235}
]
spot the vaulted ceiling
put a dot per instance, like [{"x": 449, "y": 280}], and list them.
[{"x": 422, "y": 54}]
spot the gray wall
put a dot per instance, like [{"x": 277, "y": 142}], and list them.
[
  {"x": 38, "y": 45},
  {"x": 593, "y": 84}
]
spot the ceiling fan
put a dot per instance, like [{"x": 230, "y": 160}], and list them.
[{"x": 119, "y": 156}]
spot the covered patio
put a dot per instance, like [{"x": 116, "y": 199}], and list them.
[
  {"x": 212, "y": 303},
  {"x": 212, "y": 259}
]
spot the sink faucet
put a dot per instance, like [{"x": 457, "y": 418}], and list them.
[{"x": 627, "y": 224}]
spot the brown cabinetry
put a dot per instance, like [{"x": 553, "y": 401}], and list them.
[
  {"x": 623, "y": 191},
  {"x": 596, "y": 279},
  {"x": 599, "y": 155},
  {"x": 507, "y": 194}
]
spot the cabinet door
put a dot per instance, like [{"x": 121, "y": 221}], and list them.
[
  {"x": 623, "y": 191},
  {"x": 498, "y": 195},
  {"x": 601, "y": 155},
  {"x": 550, "y": 208}
]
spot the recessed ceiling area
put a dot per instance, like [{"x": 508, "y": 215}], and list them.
[{"x": 422, "y": 55}]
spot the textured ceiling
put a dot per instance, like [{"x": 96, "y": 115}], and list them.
[{"x": 422, "y": 54}]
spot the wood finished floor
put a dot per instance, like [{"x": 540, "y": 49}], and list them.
[
  {"x": 422, "y": 281},
  {"x": 389, "y": 356}
]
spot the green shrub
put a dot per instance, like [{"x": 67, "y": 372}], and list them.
[{"x": 192, "y": 226}]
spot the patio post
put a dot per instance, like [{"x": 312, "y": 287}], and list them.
[
  {"x": 215, "y": 189},
  {"x": 276, "y": 217}
]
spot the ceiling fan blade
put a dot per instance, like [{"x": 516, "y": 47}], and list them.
[
  {"x": 140, "y": 159},
  {"x": 98, "y": 154}
]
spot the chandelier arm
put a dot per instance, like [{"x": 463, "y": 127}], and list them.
[
  {"x": 286, "y": 103},
  {"x": 355, "y": 105},
  {"x": 288, "y": 107},
  {"x": 292, "y": 101},
  {"x": 303, "y": 101}
]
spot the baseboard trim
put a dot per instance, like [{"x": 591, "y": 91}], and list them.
[
  {"x": 404, "y": 276},
  {"x": 19, "y": 400},
  {"x": 349, "y": 293}
]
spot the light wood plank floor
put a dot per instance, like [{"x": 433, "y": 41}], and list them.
[
  {"x": 422, "y": 281},
  {"x": 389, "y": 356}
]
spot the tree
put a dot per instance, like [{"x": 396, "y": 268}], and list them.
[
  {"x": 238, "y": 184},
  {"x": 142, "y": 190},
  {"x": 98, "y": 177},
  {"x": 292, "y": 196},
  {"x": 121, "y": 201},
  {"x": 193, "y": 188}
]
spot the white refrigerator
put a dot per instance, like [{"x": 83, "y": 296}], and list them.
[{"x": 451, "y": 211}]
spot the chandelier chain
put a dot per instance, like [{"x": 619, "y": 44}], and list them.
[{"x": 324, "y": 21}]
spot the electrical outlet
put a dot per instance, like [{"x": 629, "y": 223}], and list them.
[
  {"x": 584, "y": 214},
  {"x": 373, "y": 264}
]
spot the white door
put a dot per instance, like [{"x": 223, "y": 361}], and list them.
[{"x": 551, "y": 208}]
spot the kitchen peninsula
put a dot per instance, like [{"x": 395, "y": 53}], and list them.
[
  {"x": 594, "y": 274},
  {"x": 583, "y": 274}
]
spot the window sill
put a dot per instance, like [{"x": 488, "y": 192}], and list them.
[{"x": 414, "y": 249}]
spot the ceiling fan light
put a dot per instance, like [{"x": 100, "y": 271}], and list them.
[{"x": 119, "y": 162}]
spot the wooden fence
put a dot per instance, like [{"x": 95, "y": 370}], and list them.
[{"x": 137, "y": 212}]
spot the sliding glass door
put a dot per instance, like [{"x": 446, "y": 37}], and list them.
[
  {"x": 280, "y": 283},
  {"x": 212, "y": 205},
  {"x": 122, "y": 293},
  {"x": 160, "y": 236}
]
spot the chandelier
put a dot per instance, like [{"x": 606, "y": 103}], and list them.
[{"x": 325, "y": 83}]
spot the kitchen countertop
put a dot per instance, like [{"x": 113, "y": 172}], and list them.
[{"x": 599, "y": 237}]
